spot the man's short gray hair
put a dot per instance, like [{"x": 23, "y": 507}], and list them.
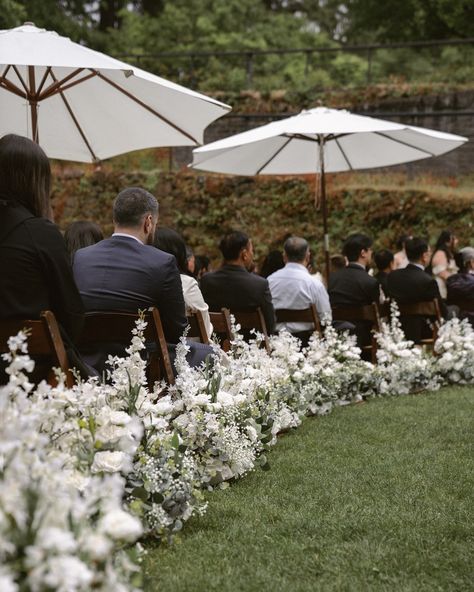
[
  {"x": 132, "y": 204},
  {"x": 296, "y": 249}
]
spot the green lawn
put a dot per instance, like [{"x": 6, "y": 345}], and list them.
[{"x": 371, "y": 497}]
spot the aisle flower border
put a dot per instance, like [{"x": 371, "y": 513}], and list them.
[{"x": 85, "y": 472}]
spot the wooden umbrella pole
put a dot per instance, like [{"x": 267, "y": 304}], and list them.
[
  {"x": 33, "y": 102},
  {"x": 324, "y": 207}
]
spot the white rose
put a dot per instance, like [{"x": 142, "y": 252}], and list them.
[
  {"x": 97, "y": 546},
  {"x": 121, "y": 526},
  {"x": 109, "y": 462},
  {"x": 119, "y": 418},
  {"x": 225, "y": 399}
]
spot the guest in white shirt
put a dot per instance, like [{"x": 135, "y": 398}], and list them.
[
  {"x": 171, "y": 242},
  {"x": 294, "y": 288}
]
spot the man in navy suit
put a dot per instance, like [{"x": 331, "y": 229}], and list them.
[
  {"x": 233, "y": 286},
  {"x": 125, "y": 272},
  {"x": 412, "y": 284},
  {"x": 352, "y": 285}
]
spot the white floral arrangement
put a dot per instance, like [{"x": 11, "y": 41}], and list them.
[
  {"x": 84, "y": 472},
  {"x": 455, "y": 349},
  {"x": 402, "y": 367}
]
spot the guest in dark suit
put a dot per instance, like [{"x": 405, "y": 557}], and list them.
[
  {"x": 35, "y": 271},
  {"x": 126, "y": 272},
  {"x": 233, "y": 286},
  {"x": 412, "y": 284},
  {"x": 461, "y": 284},
  {"x": 352, "y": 285},
  {"x": 384, "y": 260}
]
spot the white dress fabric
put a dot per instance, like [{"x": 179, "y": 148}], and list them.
[
  {"x": 194, "y": 301},
  {"x": 293, "y": 287},
  {"x": 451, "y": 268}
]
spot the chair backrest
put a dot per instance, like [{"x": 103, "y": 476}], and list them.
[
  {"x": 197, "y": 328},
  {"x": 427, "y": 308},
  {"x": 305, "y": 315},
  {"x": 253, "y": 319},
  {"x": 222, "y": 327},
  {"x": 462, "y": 303},
  {"x": 45, "y": 345},
  {"x": 116, "y": 327},
  {"x": 367, "y": 313}
]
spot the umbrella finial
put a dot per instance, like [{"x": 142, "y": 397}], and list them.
[{"x": 29, "y": 24}]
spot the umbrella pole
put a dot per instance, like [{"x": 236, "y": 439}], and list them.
[
  {"x": 33, "y": 104},
  {"x": 324, "y": 208}
]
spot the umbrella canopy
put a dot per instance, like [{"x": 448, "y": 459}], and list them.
[
  {"x": 83, "y": 105},
  {"x": 322, "y": 140}
]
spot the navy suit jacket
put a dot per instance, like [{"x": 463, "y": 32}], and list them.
[
  {"x": 233, "y": 287},
  {"x": 120, "y": 273}
]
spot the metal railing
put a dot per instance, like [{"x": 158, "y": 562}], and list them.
[{"x": 250, "y": 56}]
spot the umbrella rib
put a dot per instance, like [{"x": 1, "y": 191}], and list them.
[
  {"x": 55, "y": 88},
  {"x": 343, "y": 154},
  {"x": 145, "y": 106},
  {"x": 76, "y": 123},
  {"x": 274, "y": 155},
  {"x": 43, "y": 80},
  {"x": 23, "y": 83},
  {"x": 8, "y": 85},
  {"x": 405, "y": 144}
]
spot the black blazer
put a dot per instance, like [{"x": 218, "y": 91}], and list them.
[
  {"x": 352, "y": 286},
  {"x": 120, "y": 273},
  {"x": 233, "y": 287},
  {"x": 411, "y": 285},
  {"x": 35, "y": 270}
]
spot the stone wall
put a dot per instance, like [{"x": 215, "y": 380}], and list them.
[{"x": 451, "y": 112}]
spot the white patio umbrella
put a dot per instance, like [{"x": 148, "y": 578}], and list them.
[
  {"x": 82, "y": 105},
  {"x": 322, "y": 140}
]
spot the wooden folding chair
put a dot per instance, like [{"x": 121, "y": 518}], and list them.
[
  {"x": 114, "y": 327},
  {"x": 253, "y": 319},
  {"x": 45, "y": 345},
  {"x": 305, "y": 315},
  {"x": 427, "y": 308},
  {"x": 197, "y": 328},
  {"x": 367, "y": 313},
  {"x": 222, "y": 327}
]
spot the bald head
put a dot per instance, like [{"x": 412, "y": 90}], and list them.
[{"x": 296, "y": 249}]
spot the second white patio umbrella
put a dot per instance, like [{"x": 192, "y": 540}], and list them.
[
  {"x": 322, "y": 140},
  {"x": 82, "y": 105}
]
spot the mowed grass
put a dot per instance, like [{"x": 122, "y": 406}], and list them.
[{"x": 376, "y": 496}]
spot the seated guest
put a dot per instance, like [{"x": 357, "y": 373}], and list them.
[
  {"x": 202, "y": 265},
  {"x": 293, "y": 287},
  {"x": 233, "y": 286},
  {"x": 400, "y": 257},
  {"x": 81, "y": 234},
  {"x": 461, "y": 285},
  {"x": 272, "y": 262},
  {"x": 384, "y": 260},
  {"x": 170, "y": 241},
  {"x": 443, "y": 262},
  {"x": 352, "y": 285},
  {"x": 337, "y": 261},
  {"x": 412, "y": 284},
  {"x": 36, "y": 274},
  {"x": 126, "y": 272}
]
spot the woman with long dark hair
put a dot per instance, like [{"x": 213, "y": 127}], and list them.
[
  {"x": 35, "y": 271},
  {"x": 443, "y": 262},
  {"x": 80, "y": 234},
  {"x": 170, "y": 241}
]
